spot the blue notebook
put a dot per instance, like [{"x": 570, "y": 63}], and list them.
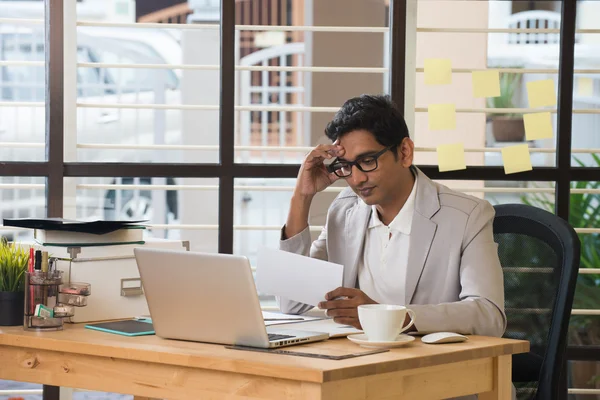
[{"x": 130, "y": 327}]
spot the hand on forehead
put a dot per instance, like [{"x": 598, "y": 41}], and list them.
[{"x": 357, "y": 143}]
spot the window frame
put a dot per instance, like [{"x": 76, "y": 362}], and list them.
[{"x": 55, "y": 169}]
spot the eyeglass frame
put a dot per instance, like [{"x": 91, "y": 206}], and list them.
[{"x": 330, "y": 167}]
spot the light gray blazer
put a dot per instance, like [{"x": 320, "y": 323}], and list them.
[{"x": 454, "y": 279}]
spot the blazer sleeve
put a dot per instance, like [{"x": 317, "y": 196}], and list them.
[
  {"x": 480, "y": 310},
  {"x": 301, "y": 244}
]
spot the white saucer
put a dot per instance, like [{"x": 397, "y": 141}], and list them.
[{"x": 362, "y": 340}]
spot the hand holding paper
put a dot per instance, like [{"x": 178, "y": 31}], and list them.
[{"x": 295, "y": 277}]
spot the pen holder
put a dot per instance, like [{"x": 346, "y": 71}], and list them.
[
  {"x": 41, "y": 295},
  {"x": 49, "y": 301}
]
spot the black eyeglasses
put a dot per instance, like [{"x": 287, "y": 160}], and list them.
[{"x": 343, "y": 169}]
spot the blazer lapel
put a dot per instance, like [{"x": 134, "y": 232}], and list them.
[
  {"x": 357, "y": 219},
  {"x": 422, "y": 232},
  {"x": 421, "y": 237}
]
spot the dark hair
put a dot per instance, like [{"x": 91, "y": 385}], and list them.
[{"x": 374, "y": 113}]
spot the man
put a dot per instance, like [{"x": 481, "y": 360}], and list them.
[{"x": 402, "y": 238}]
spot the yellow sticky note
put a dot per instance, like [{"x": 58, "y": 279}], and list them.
[
  {"x": 585, "y": 86},
  {"x": 516, "y": 159},
  {"x": 486, "y": 83},
  {"x": 541, "y": 93},
  {"x": 438, "y": 71},
  {"x": 451, "y": 157},
  {"x": 442, "y": 116},
  {"x": 538, "y": 126}
]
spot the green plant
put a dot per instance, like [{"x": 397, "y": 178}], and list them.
[
  {"x": 13, "y": 265},
  {"x": 584, "y": 212},
  {"x": 509, "y": 83}
]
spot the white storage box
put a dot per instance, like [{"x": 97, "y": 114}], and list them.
[{"x": 116, "y": 287}]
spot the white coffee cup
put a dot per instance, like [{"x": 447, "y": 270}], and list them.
[{"x": 383, "y": 322}]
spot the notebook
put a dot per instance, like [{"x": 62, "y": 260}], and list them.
[{"x": 130, "y": 327}]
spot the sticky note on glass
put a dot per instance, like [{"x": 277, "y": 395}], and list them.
[
  {"x": 441, "y": 116},
  {"x": 541, "y": 93},
  {"x": 516, "y": 159},
  {"x": 486, "y": 83},
  {"x": 585, "y": 86},
  {"x": 438, "y": 71},
  {"x": 538, "y": 126},
  {"x": 451, "y": 157}
]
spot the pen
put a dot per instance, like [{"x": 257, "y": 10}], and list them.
[
  {"x": 44, "y": 265},
  {"x": 52, "y": 290},
  {"x": 31, "y": 258},
  {"x": 38, "y": 260},
  {"x": 45, "y": 272},
  {"x": 31, "y": 297},
  {"x": 284, "y": 319},
  {"x": 37, "y": 271}
]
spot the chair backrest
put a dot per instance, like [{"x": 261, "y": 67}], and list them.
[
  {"x": 534, "y": 19},
  {"x": 539, "y": 253}
]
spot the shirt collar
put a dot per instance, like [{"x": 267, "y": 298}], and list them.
[{"x": 402, "y": 222}]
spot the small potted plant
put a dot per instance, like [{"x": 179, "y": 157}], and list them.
[
  {"x": 13, "y": 265},
  {"x": 507, "y": 127}
]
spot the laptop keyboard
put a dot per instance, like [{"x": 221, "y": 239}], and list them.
[{"x": 274, "y": 336}]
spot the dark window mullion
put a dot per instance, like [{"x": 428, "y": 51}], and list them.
[
  {"x": 54, "y": 26},
  {"x": 397, "y": 49},
  {"x": 18, "y": 168},
  {"x": 227, "y": 126},
  {"x": 565, "y": 106},
  {"x": 54, "y": 70},
  {"x": 477, "y": 172}
]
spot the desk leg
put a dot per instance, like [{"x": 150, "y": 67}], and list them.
[
  {"x": 502, "y": 380},
  {"x": 50, "y": 392}
]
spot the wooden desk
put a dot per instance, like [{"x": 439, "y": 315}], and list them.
[{"x": 152, "y": 367}]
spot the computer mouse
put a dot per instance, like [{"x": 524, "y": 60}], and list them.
[{"x": 443, "y": 337}]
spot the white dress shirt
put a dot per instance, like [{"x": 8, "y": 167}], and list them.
[{"x": 382, "y": 268}]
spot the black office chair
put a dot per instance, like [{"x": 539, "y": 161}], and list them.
[{"x": 539, "y": 253}]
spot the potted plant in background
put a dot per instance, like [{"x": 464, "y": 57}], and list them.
[
  {"x": 584, "y": 212},
  {"x": 507, "y": 127},
  {"x": 13, "y": 265}
]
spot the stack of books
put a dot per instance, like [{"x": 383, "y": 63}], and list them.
[{"x": 70, "y": 233}]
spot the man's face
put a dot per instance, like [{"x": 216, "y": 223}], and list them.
[{"x": 382, "y": 184}]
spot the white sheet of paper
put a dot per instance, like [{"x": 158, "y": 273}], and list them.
[
  {"x": 295, "y": 277},
  {"x": 323, "y": 325},
  {"x": 274, "y": 318}
]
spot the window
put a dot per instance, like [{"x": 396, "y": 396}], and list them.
[
  {"x": 22, "y": 197},
  {"x": 522, "y": 57},
  {"x": 22, "y": 83},
  {"x": 111, "y": 50},
  {"x": 204, "y": 138},
  {"x": 288, "y": 85},
  {"x": 22, "y": 91}
]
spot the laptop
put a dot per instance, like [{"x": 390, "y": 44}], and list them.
[{"x": 208, "y": 298}]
